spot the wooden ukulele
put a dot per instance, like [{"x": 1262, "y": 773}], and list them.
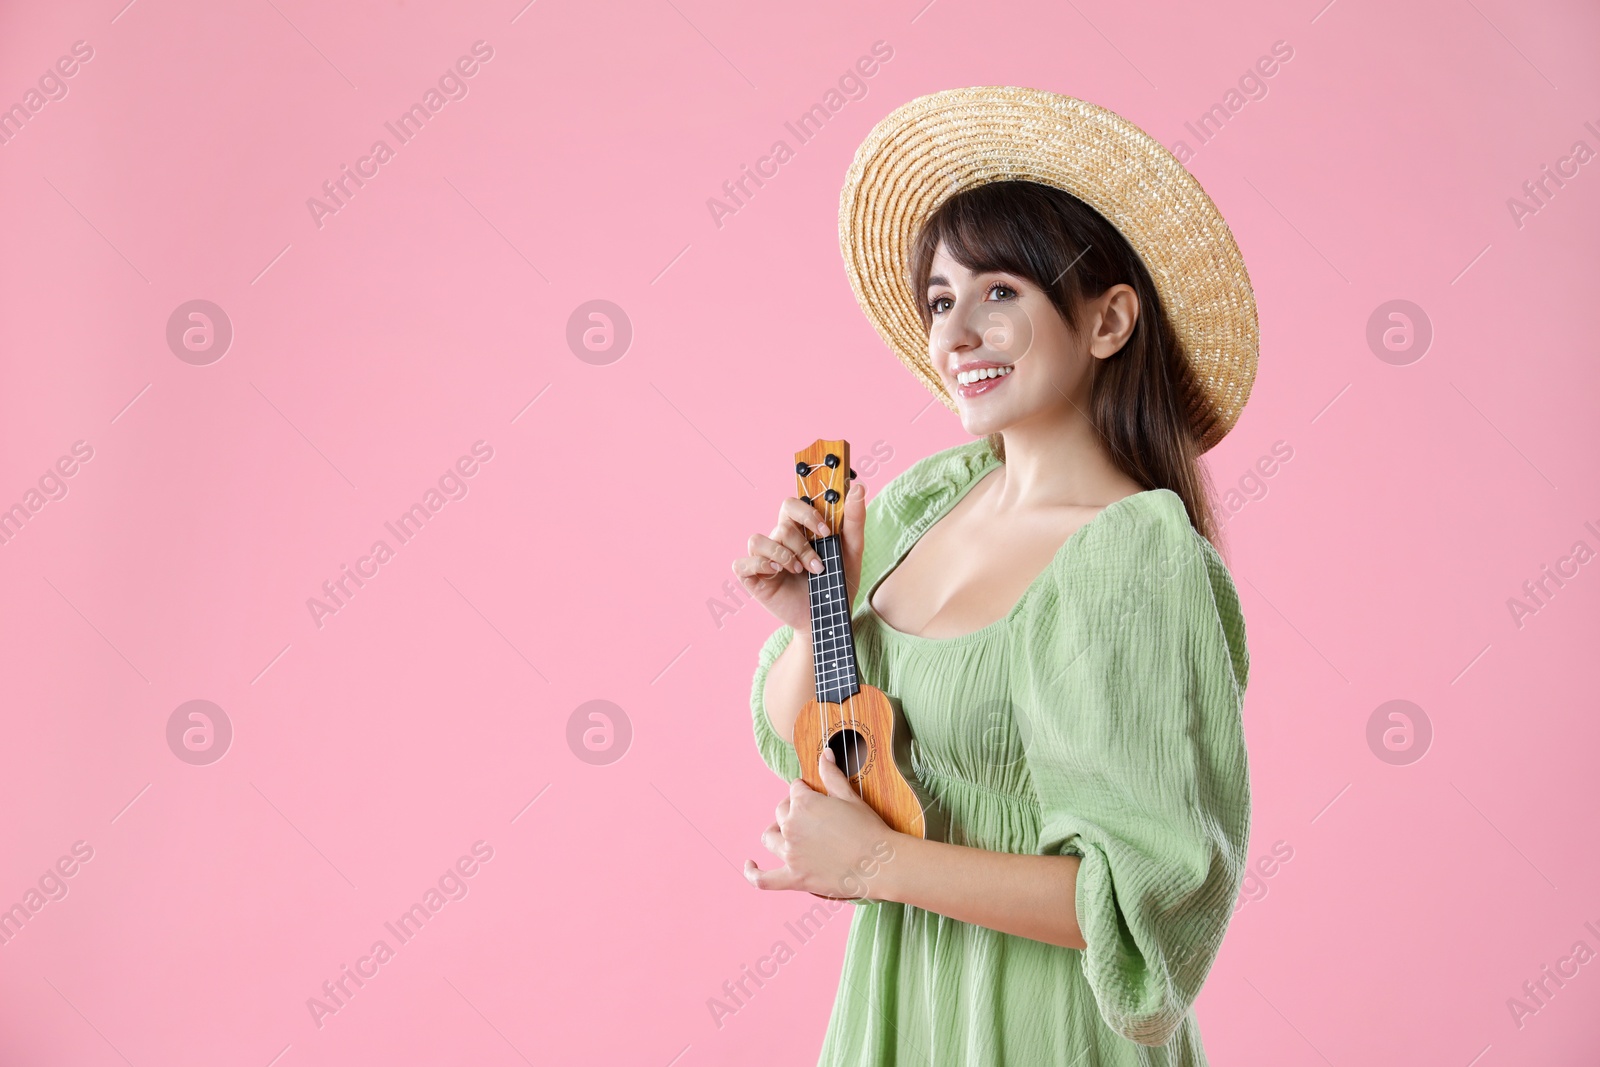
[{"x": 866, "y": 729}]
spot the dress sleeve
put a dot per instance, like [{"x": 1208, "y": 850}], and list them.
[
  {"x": 1130, "y": 699},
  {"x": 776, "y": 752}
]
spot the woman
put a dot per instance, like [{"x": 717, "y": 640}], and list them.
[{"x": 1045, "y": 601}]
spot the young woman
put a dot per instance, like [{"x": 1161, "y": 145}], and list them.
[{"x": 1045, "y": 601}]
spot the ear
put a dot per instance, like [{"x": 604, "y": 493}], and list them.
[{"x": 1117, "y": 313}]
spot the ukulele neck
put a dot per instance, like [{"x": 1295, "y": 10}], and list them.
[{"x": 832, "y": 643}]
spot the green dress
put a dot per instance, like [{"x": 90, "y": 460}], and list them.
[{"x": 1100, "y": 718}]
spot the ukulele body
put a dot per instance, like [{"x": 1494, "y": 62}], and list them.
[{"x": 872, "y": 745}]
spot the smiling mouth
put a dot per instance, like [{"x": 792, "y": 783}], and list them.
[
  {"x": 977, "y": 382},
  {"x": 968, "y": 377}
]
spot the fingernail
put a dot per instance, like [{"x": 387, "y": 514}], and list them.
[
  {"x": 816, "y": 566},
  {"x": 822, "y": 528}
]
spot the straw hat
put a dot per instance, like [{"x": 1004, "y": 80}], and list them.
[{"x": 937, "y": 145}]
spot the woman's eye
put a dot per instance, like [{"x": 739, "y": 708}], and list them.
[{"x": 933, "y": 305}]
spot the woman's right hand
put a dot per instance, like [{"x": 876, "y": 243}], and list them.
[{"x": 775, "y": 572}]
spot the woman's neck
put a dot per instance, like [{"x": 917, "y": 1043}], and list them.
[{"x": 1055, "y": 462}]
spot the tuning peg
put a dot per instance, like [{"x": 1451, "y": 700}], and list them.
[
  {"x": 852, "y": 474},
  {"x": 831, "y": 460},
  {"x": 802, "y": 469}
]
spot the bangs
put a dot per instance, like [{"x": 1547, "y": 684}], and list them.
[{"x": 1017, "y": 227}]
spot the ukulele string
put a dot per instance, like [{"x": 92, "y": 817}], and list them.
[
  {"x": 844, "y": 609},
  {"x": 844, "y": 592},
  {"x": 822, "y": 712},
  {"x": 848, "y": 704}
]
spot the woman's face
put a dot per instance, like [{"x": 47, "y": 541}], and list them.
[{"x": 1004, "y": 351}]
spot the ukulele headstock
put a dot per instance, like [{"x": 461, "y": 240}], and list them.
[{"x": 823, "y": 473}]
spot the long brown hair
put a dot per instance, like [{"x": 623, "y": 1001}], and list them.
[{"x": 1145, "y": 400}]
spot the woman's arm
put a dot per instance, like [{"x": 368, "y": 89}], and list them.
[
  {"x": 834, "y": 844},
  {"x": 1029, "y": 896},
  {"x": 790, "y": 685}
]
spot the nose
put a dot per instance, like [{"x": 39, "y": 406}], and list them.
[{"x": 952, "y": 337}]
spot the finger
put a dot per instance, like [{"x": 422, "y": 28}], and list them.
[
  {"x": 797, "y": 511},
  {"x": 753, "y": 570},
  {"x": 834, "y": 780},
  {"x": 772, "y": 840},
  {"x": 855, "y": 515},
  {"x": 772, "y": 555},
  {"x": 782, "y": 810},
  {"x": 777, "y": 878},
  {"x": 799, "y": 524},
  {"x": 797, "y": 539},
  {"x": 855, "y": 526}
]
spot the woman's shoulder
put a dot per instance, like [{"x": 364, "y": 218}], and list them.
[
  {"x": 932, "y": 479},
  {"x": 1144, "y": 551},
  {"x": 1151, "y": 527}
]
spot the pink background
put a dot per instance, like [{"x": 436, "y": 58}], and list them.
[{"x": 585, "y": 559}]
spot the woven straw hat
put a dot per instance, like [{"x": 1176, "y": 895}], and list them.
[{"x": 937, "y": 145}]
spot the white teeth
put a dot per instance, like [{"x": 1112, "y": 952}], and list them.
[{"x": 967, "y": 377}]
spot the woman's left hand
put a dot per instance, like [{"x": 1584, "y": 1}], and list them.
[{"x": 832, "y": 844}]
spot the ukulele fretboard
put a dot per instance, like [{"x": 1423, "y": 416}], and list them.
[{"x": 832, "y": 643}]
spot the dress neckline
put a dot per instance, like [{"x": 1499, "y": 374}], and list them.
[{"x": 911, "y": 539}]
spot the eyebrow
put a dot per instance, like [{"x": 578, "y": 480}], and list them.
[{"x": 940, "y": 279}]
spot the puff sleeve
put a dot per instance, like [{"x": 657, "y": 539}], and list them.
[
  {"x": 776, "y": 752},
  {"x": 1130, "y": 708}
]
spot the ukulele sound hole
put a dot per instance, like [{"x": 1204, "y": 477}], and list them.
[{"x": 849, "y": 751}]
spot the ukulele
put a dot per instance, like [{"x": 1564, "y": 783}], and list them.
[{"x": 866, "y": 729}]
